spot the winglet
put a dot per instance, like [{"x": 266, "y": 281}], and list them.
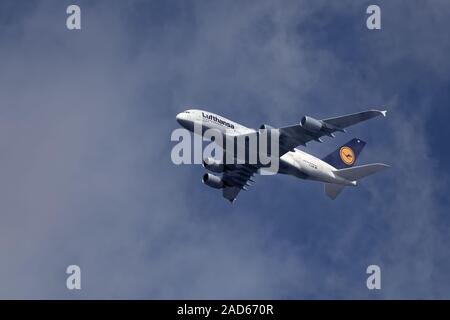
[{"x": 384, "y": 112}]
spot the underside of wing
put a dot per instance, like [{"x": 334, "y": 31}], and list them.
[
  {"x": 236, "y": 178},
  {"x": 231, "y": 193},
  {"x": 310, "y": 129},
  {"x": 354, "y": 118}
]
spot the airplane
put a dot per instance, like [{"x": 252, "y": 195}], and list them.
[{"x": 336, "y": 170}]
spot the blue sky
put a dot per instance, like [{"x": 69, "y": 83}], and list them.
[{"x": 86, "y": 175}]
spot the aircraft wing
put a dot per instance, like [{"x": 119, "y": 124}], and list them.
[
  {"x": 237, "y": 177},
  {"x": 311, "y": 129}
]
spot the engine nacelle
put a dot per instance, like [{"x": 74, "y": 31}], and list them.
[
  {"x": 311, "y": 124},
  {"x": 212, "y": 181},
  {"x": 213, "y": 165},
  {"x": 266, "y": 127}
]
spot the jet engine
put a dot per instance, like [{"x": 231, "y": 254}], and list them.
[
  {"x": 311, "y": 124},
  {"x": 212, "y": 181},
  {"x": 213, "y": 165}
]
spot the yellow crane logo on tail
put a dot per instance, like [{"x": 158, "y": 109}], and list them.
[{"x": 347, "y": 155}]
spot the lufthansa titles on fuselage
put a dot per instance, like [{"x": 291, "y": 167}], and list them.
[{"x": 217, "y": 120}]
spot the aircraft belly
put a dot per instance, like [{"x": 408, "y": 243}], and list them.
[
  {"x": 290, "y": 167},
  {"x": 312, "y": 170}
]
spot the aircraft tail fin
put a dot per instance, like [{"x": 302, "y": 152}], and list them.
[
  {"x": 352, "y": 174},
  {"x": 346, "y": 155},
  {"x": 332, "y": 190}
]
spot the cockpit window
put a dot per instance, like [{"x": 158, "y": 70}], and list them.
[{"x": 186, "y": 112}]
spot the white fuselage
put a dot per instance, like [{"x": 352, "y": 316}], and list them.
[{"x": 296, "y": 163}]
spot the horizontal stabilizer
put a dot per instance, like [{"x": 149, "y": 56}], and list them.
[{"x": 358, "y": 172}]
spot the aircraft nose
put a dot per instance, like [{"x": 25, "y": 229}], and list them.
[
  {"x": 184, "y": 121},
  {"x": 180, "y": 117}
]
